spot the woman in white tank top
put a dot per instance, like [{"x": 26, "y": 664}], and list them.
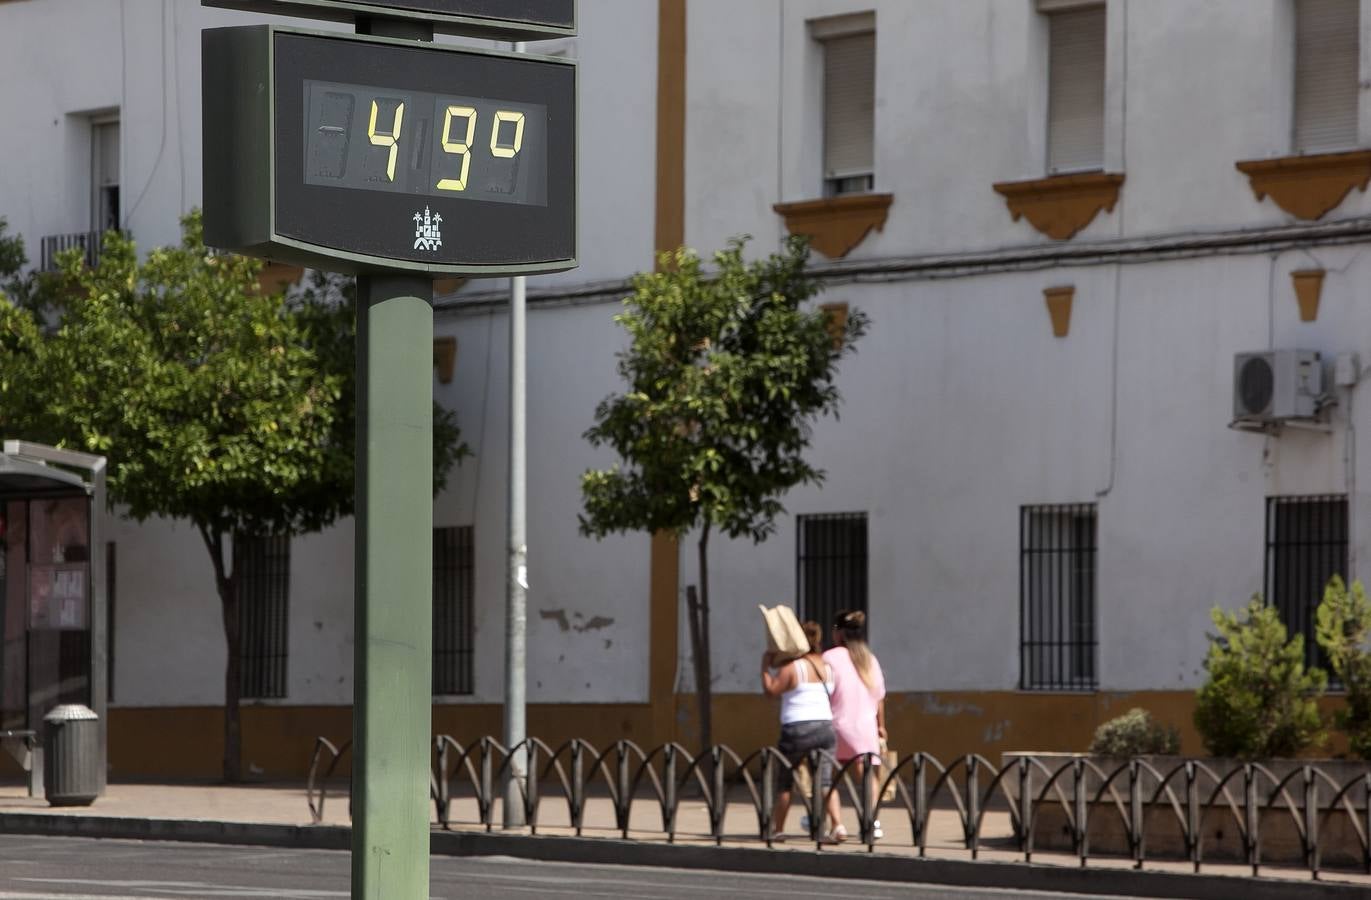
[{"x": 804, "y": 686}]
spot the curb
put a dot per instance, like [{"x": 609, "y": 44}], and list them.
[
  {"x": 201, "y": 831},
  {"x": 752, "y": 860}
]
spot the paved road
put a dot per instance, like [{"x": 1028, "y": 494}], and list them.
[{"x": 85, "y": 869}]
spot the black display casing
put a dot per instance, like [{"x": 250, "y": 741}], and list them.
[{"x": 258, "y": 203}]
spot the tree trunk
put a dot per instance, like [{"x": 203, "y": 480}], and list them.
[
  {"x": 698, "y": 609},
  {"x": 227, "y": 585}
]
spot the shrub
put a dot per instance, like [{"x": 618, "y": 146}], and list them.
[
  {"x": 1259, "y": 701},
  {"x": 1343, "y": 625},
  {"x": 1135, "y": 733}
]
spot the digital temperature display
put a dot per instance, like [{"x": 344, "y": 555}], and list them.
[
  {"x": 440, "y": 145},
  {"x": 359, "y": 153}
]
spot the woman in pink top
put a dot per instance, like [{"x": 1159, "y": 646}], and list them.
[{"x": 858, "y": 698}]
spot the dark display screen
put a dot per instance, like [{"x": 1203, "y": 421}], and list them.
[
  {"x": 413, "y": 142},
  {"x": 431, "y": 155}
]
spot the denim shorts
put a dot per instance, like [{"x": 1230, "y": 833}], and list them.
[{"x": 798, "y": 740}]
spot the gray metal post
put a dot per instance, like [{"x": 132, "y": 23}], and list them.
[
  {"x": 392, "y": 708},
  {"x": 99, "y": 618},
  {"x": 517, "y": 576},
  {"x": 516, "y": 614}
]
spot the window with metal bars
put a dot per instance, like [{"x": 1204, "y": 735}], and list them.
[
  {"x": 263, "y": 567},
  {"x": 830, "y": 564},
  {"x": 453, "y": 594},
  {"x": 1306, "y": 544},
  {"x": 1057, "y": 639}
]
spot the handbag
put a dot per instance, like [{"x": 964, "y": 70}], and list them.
[
  {"x": 784, "y": 636},
  {"x": 889, "y": 760}
]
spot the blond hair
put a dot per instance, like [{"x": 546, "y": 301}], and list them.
[{"x": 850, "y": 628}]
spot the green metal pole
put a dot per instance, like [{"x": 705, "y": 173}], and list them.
[{"x": 394, "y": 599}]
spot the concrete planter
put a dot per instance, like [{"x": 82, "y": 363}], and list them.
[{"x": 1280, "y": 817}]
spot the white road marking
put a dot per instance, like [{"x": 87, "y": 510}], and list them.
[
  {"x": 193, "y": 888},
  {"x": 615, "y": 887},
  {"x": 13, "y": 895}
]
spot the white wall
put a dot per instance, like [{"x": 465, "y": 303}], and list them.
[
  {"x": 1195, "y": 86},
  {"x": 960, "y": 405},
  {"x": 616, "y": 50},
  {"x": 587, "y": 631}
]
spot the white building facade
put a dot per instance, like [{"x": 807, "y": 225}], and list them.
[{"x": 1063, "y": 219}]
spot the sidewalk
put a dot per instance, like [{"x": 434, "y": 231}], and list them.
[{"x": 277, "y": 813}]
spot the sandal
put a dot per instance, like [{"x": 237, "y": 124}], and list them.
[{"x": 835, "y": 836}]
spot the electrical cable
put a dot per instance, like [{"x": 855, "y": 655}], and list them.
[
  {"x": 162, "y": 141},
  {"x": 1114, "y": 386},
  {"x": 1118, "y": 272},
  {"x": 180, "y": 118},
  {"x": 780, "y": 107},
  {"x": 123, "y": 96}
]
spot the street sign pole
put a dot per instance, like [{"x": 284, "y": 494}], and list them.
[{"x": 392, "y": 729}]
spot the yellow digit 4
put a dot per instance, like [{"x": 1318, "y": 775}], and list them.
[
  {"x": 391, "y": 140},
  {"x": 517, "y": 118},
  {"x": 462, "y": 147}
]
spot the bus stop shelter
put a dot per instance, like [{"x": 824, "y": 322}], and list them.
[{"x": 53, "y": 605}]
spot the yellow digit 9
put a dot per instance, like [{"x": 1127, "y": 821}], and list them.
[
  {"x": 391, "y": 140},
  {"x": 517, "y": 118},
  {"x": 462, "y": 147}
]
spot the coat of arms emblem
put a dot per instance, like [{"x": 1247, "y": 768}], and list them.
[{"x": 428, "y": 232}]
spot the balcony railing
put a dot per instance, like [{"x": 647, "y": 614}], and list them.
[{"x": 53, "y": 244}]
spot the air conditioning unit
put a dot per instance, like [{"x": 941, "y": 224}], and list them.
[{"x": 1274, "y": 385}]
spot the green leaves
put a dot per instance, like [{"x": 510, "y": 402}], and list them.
[
  {"x": 1259, "y": 701},
  {"x": 724, "y": 375},
  {"x": 1135, "y": 733},
  {"x": 1343, "y": 625},
  {"x": 215, "y": 402}
]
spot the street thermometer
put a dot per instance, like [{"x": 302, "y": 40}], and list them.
[{"x": 387, "y": 156}]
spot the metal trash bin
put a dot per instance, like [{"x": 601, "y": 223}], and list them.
[{"x": 71, "y": 776}]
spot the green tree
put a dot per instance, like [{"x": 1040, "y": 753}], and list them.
[
  {"x": 215, "y": 402},
  {"x": 325, "y": 306},
  {"x": 12, "y": 259},
  {"x": 20, "y": 333},
  {"x": 1343, "y": 627},
  {"x": 28, "y": 289},
  {"x": 1259, "y": 700},
  {"x": 725, "y": 373}
]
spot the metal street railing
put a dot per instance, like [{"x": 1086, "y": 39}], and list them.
[{"x": 1134, "y": 796}]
